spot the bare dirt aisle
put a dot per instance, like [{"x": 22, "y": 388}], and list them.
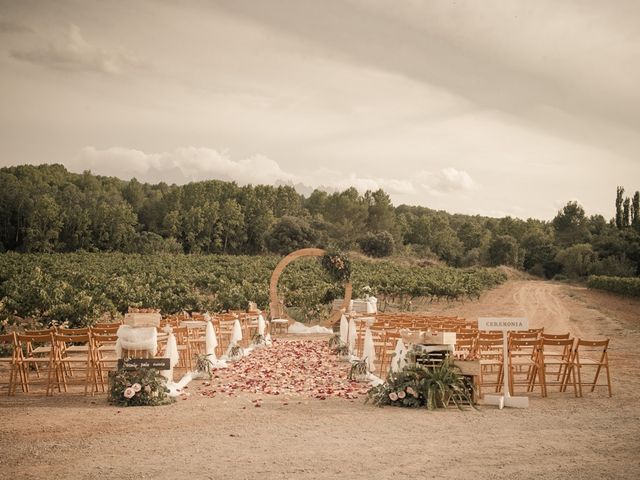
[{"x": 559, "y": 437}]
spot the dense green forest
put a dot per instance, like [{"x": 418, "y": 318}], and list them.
[{"x": 48, "y": 209}]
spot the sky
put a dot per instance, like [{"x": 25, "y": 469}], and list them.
[{"x": 493, "y": 108}]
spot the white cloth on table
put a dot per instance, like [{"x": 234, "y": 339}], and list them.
[
  {"x": 344, "y": 328},
  {"x": 369, "y": 350},
  {"x": 372, "y": 304},
  {"x": 141, "y": 338},
  {"x": 261, "y": 325},
  {"x": 300, "y": 328},
  {"x": 210, "y": 340}
]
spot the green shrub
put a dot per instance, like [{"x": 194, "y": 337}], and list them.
[
  {"x": 628, "y": 286},
  {"x": 379, "y": 244}
]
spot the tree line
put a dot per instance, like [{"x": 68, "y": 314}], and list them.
[{"x": 46, "y": 208}]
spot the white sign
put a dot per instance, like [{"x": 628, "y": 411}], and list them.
[{"x": 503, "y": 324}]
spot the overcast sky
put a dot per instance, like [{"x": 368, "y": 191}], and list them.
[{"x": 480, "y": 107}]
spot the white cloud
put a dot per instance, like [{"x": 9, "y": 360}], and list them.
[
  {"x": 187, "y": 164},
  {"x": 74, "y": 53},
  {"x": 447, "y": 180},
  {"x": 183, "y": 165},
  {"x": 338, "y": 182}
]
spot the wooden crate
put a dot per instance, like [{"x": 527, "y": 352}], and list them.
[{"x": 142, "y": 319}]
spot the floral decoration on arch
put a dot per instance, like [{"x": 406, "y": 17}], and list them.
[{"x": 338, "y": 266}]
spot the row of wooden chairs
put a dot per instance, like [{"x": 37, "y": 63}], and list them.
[
  {"x": 55, "y": 359},
  {"x": 535, "y": 358},
  {"x": 544, "y": 362}
]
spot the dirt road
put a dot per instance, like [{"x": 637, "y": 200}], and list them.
[{"x": 559, "y": 437}]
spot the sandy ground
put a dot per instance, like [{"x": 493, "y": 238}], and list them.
[{"x": 559, "y": 437}]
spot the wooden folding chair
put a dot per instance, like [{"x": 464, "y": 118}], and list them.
[
  {"x": 108, "y": 329},
  {"x": 225, "y": 332},
  {"x": 592, "y": 354},
  {"x": 36, "y": 352},
  {"x": 79, "y": 347},
  {"x": 73, "y": 360},
  {"x": 8, "y": 363},
  {"x": 557, "y": 352},
  {"x": 196, "y": 338},
  {"x": 104, "y": 354},
  {"x": 489, "y": 352},
  {"x": 552, "y": 352},
  {"x": 110, "y": 325},
  {"x": 465, "y": 347},
  {"x": 184, "y": 348},
  {"x": 279, "y": 325},
  {"x": 387, "y": 351},
  {"x": 557, "y": 359},
  {"x": 484, "y": 335},
  {"x": 524, "y": 361}
]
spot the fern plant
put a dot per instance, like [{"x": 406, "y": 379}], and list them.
[
  {"x": 415, "y": 386},
  {"x": 359, "y": 370}
]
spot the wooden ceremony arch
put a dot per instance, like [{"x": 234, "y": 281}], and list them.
[{"x": 274, "y": 301}]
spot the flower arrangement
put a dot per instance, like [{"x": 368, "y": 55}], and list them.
[
  {"x": 259, "y": 340},
  {"x": 143, "y": 387},
  {"x": 339, "y": 348},
  {"x": 236, "y": 352},
  {"x": 203, "y": 365},
  {"x": 338, "y": 266},
  {"x": 359, "y": 370},
  {"x": 418, "y": 387},
  {"x": 367, "y": 291},
  {"x": 334, "y": 341}
]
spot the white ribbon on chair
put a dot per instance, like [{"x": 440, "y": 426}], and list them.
[
  {"x": 172, "y": 354},
  {"x": 344, "y": 329},
  {"x": 211, "y": 342},
  {"x": 236, "y": 334},
  {"x": 399, "y": 359},
  {"x": 369, "y": 350},
  {"x": 351, "y": 338},
  {"x": 261, "y": 325}
]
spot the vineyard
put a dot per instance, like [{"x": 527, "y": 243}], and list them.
[
  {"x": 79, "y": 288},
  {"x": 629, "y": 286}
]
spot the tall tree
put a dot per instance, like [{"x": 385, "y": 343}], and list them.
[
  {"x": 635, "y": 211},
  {"x": 381, "y": 214},
  {"x": 347, "y": 212},
  {"x": 571, "y": 225},
  {"x": 43, "y": 225},
  {"x": 504, "y": 250},
  {"x": 234, "y": 233},
  {"x": 626, "y": 212},
  {"x": 619, "y": 200}
]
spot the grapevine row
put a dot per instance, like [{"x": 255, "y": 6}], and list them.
[{"x": 79, "y": 288}]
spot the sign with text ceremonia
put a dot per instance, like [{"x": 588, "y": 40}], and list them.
[
  {"x": 509, "y": 324},
  {"x": 505, "y": 325}
]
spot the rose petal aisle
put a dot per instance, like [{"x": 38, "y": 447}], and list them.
[{"x": 293, "y": 368}]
